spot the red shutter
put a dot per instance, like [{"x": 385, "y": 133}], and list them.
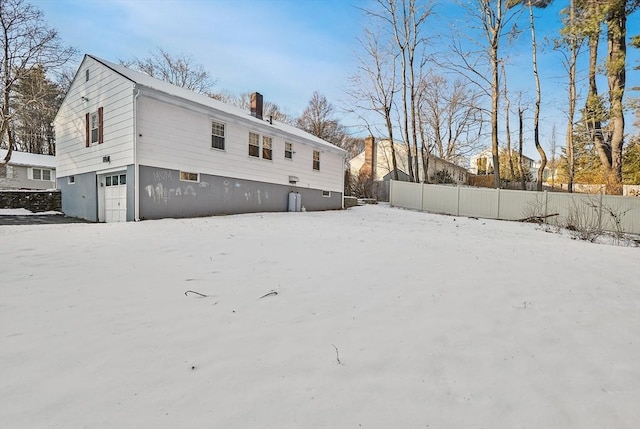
[
  {"x": 87, "y": 130},
  {"x": 100, "y": 133}
]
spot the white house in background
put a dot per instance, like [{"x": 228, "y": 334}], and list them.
[
  {"x": 482, "y": 163},
  {"x": 377, "y": 157},
  {"x": 131, "y": 147},
  {"x": 28, "y": 171}
]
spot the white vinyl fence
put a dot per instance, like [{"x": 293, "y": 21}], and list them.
[{"x": 609, "y": 212}]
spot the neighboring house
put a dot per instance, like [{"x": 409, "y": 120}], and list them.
[
  {"x": 482, "y": 163},
  {"x": 28, "y": 171},
  {"x": 376, "y": 161},
  {"x": 129, "y": 147}
]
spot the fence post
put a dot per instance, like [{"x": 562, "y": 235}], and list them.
[
  {"x": 498, "y": 203},
  {"x": 546, "y": 204},
  {"x": 458, "y": 201}
]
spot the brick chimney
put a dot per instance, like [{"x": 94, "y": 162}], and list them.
[
  {"x": 256, "y": 105},
  {"x": 369, "y": 166}
]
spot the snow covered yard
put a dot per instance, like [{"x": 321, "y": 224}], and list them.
[{"x": 383, "y": 318}]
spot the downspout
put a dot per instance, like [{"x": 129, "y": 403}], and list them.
[{"x": 136, "y": 167}]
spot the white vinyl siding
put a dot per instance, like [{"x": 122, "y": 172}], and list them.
[
  {"x": 165, "y": 126},
  {"x": 115, "y": 94}
]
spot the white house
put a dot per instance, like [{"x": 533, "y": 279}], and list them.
[
  {"x": 377, "y": 160},
  {"x": 129, "y": 147},
  {"x": 28, "y": 171}
]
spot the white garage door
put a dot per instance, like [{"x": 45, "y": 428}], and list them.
[{"x": 115, "y": 198}]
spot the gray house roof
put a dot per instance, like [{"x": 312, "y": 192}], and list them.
[
  {"x": 30, "y": 159},
  {"x": 176, "y": 91}
]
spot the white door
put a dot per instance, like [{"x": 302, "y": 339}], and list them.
[{"x": 115, "y": 198}]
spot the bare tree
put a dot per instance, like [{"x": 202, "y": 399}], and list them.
[
  {"x": 179, "y": 70},
  {"x": 523, "y": 180},
  {"x": 507, "y": 125},
  {"x": 534, "y": 52},
  {"x": 318, "y": 119},
  {"x": 572, "y": 40},
  {"x": 451, "y": 111},
  {"x": 374, "y": 86},
  {"x": 27, "y": 42},
  {"x": 405, "y": 20},
  {"x": 243, "y": 101},
  {"x": 492, "y": 17}
]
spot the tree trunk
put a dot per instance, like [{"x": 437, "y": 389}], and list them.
[
  {"x": 508, "y": 131},
  {"x": 573, "y": 46},
  {"x": 616, "y": 33},
  {"x": 523, "y": 180},
  {"x": 536, "y": 116}
]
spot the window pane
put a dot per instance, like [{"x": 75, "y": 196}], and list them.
[
  {"x": 108, "y": 181},
  {"x": 288, "y": 150},
  {"x": 114, "y": 181},
  {"x": 123, "y": 179},
  {"x": 316, "y": 160},
  {"x": 254, "y": 145},
  {"x": 46, "y": 174},
  {"x": 217, "y": 135},
  {"x": 189, "y": 177},
  {"x": 266, "y": 148},
  {"x": 36, "y": 174},
  {"x": 217, "y": 142}
]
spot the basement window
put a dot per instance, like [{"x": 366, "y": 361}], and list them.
[
  {"x": 326, "y": 194},
  {"x": 186, "y": 176},
  {"x": 71, "y": 180}
]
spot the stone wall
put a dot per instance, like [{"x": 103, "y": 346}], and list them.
[{"x": 35, "y": 201}]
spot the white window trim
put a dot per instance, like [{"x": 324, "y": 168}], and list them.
[
  {"x": 31, "y": 177},
  {"x": 326, "y": 194},
  {"x": 291, "y": 151},
  {"x": 91, "y": 129},
  {"x": 224, "y": 125},
  {"x": 262, "y": 148},
  {"x": 259, "y": 145},
  {"x": 71, "y": 180}
]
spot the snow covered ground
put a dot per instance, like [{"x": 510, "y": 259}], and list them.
[{"x": 383, "y": 318}]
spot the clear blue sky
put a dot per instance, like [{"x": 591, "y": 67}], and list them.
[{"x": 286, "y": 49}]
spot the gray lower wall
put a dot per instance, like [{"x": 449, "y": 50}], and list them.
[
  {"x": 163, "y": 194},
  {"x": 80, "y": 199},
  {"x": 35, "y": 201},
  {"x": 131, "y": 192}
]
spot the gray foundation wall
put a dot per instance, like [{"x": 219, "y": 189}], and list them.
[
  {"x": 163, "y": 194},
  {"x": 80, "y": 199}
]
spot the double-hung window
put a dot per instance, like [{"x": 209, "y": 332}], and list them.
[
  {"x": 266, "y": 148},
  {"x": 217, "y": 135},
  {"x": 94, "y": 128},
  {"x": 316, "y": 160},
  {"x": 40, "y": 174},
  {"x": 288, "y": 150},
  {"x": 254, "y": 145}
]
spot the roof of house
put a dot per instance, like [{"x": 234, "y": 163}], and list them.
[
  {"x": 30, "y": 159},
  {"x": 176, "y": 91}
]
